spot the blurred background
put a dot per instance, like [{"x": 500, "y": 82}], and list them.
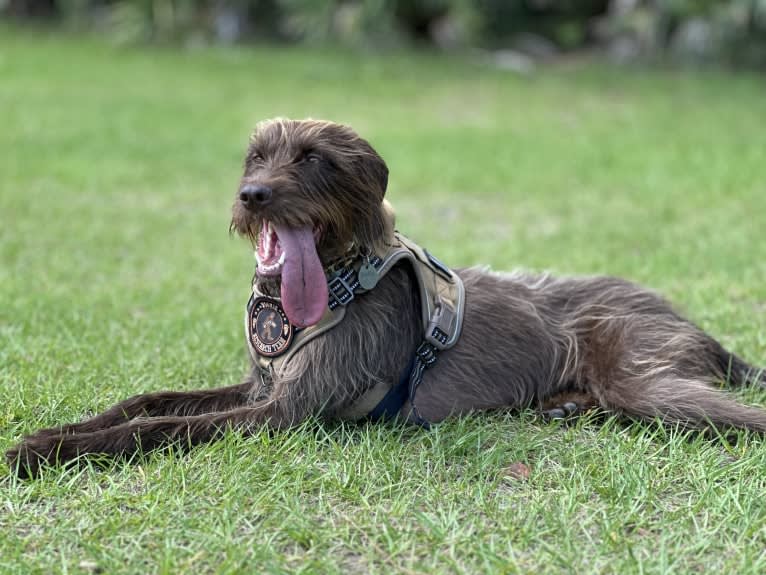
[{"x": 514, "y": 33}]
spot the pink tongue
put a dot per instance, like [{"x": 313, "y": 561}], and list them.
[{"x": 304, "y": 288}]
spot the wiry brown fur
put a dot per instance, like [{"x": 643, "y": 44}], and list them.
[{"x": 556, "y": 341}]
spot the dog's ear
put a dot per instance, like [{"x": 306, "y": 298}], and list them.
[
  {"x": 374, "y": 168},
  {"x": 380, "y": 172},
  {"x": 374, "y": 219}
]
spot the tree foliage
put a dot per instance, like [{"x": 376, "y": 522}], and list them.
[{"x": 684, "y": 30}]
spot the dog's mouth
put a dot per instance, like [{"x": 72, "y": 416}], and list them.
[{"x": 291, "y": 254}]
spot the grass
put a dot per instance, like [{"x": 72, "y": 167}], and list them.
[{"x": 117, "y": 276}]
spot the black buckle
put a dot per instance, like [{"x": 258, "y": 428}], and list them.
[
  {"x": 340, "y": 290},
  {"x": 427, "y": 354}
]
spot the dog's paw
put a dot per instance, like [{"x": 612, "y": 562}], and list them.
[
  {"x": 21, "y": 464},
  {"x": 564, "y": 411},
  {"x": 28, "y": 457}
]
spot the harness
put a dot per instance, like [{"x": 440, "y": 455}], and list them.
[{"x": 273, "y": 342}]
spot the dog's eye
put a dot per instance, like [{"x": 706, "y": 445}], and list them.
[
  {"x": 256, "y": 158},
  {"x": 312, "y": 157}
]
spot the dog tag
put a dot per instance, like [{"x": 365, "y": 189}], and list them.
[{"x": 368, "y": 276}]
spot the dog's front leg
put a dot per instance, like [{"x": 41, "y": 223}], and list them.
[
  {"x": 163, "y": 403},
  {"x": 147, "y": 434}
]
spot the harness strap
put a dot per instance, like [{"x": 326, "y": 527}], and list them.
[
  {"x": 425, "y": 357},
  {"x": 390, "y": 405}
]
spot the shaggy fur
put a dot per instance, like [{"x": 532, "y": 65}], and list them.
[{"x": 561, "y": 343}]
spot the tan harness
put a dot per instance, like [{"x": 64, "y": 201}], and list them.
[{"x": 442, "y": 298}]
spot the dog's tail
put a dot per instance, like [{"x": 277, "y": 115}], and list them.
[{"x": 690, "y": 402}]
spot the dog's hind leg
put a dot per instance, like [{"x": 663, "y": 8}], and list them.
[{"x": 166, "y": 403}]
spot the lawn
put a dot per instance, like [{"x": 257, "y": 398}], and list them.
[{"x": 118, "y": 276}]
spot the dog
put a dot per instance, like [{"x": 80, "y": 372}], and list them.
[{"x": 311, "y": 201}]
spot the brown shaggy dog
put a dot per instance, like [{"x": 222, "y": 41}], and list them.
[{"x": 560, "y": 343}]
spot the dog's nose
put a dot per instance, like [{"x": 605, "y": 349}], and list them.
[{"x": 254, "y": 196}]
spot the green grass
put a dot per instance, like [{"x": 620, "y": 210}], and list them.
[{"x": 118, "y": 276}]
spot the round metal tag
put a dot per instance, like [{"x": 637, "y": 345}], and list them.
[
  {"x": 368, "y": 276},
  {"x": 270, "y": 331}
]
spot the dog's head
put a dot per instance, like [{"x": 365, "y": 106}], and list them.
[{"x": 312, "y": 191}]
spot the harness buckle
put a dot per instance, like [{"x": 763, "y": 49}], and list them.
[
  {"x": 426, "y": 353},
  {"x": 340, "y": 290},
  {"x": 441, "y": 326}
]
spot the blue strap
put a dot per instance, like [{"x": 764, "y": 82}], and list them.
[{"x": 391, "y": 404}]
